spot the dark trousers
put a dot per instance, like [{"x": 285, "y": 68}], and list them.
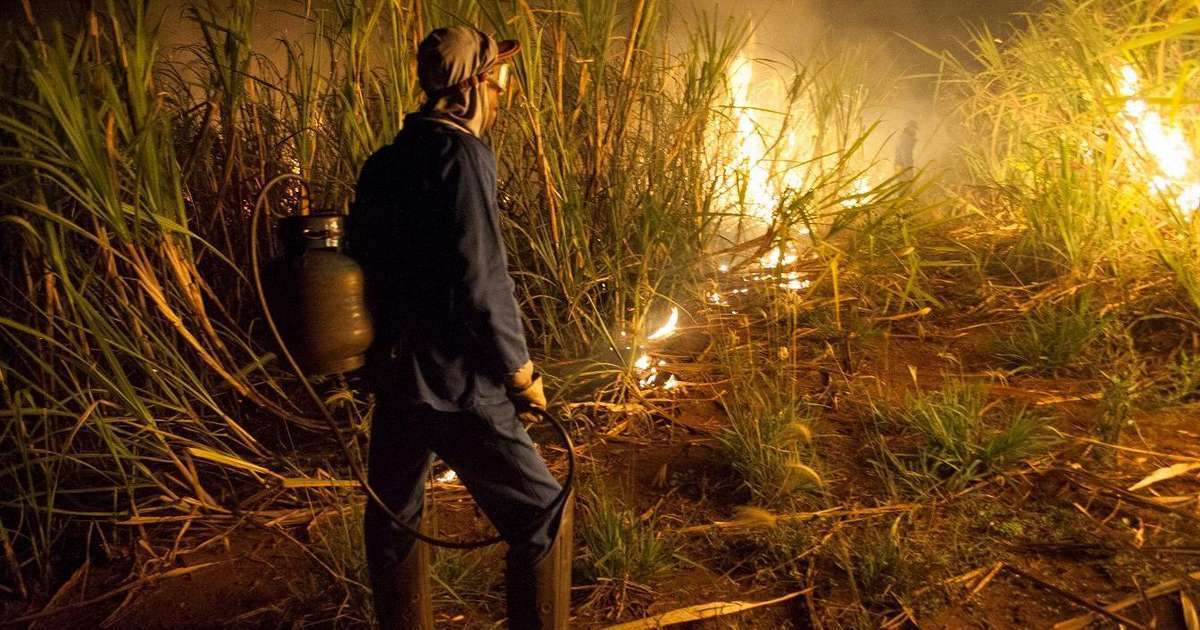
[{"x": 493, "y": 456}]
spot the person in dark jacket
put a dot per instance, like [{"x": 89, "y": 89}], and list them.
[{"x": 450, "y": 368}]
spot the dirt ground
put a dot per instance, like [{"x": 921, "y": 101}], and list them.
[{"x": 1028, "y": 548}]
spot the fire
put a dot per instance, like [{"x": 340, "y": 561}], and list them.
[
  {"x": 649, "y": 376},
  {"x": 667, "y": 329},
  {"x": 647, "y": 368},
  {"x": 769, "y": 146},
  {"x": 795, "y": 283},
  {"x": 1164, "y": 142},
  {"x": 749, "y": 166},
  {"x": 777, "y": 257},
  {"x": 756, "y": 171},
  {"x": 860, "y": 188}
]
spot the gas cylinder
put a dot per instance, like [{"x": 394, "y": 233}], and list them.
[{"x": 318, "y": 297}]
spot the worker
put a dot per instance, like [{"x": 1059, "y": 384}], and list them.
[
  {"x": 905, "y": 147},
  {"x": 449, "y": 368}
]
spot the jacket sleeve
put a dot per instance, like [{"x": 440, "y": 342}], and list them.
[{"x": 485, "y": 288}]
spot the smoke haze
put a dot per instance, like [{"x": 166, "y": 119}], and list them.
[{"x": 889, "y": 35}]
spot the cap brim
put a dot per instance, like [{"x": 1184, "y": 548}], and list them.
[{"x": 506, "y": 49}]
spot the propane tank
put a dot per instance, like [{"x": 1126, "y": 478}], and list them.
[{"x": 319, "y": 297}]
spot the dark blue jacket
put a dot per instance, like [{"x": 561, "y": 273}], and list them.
[{"x": 426, "y": 229}]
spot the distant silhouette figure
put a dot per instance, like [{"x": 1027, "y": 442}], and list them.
[{"x": 905, "y": 146}]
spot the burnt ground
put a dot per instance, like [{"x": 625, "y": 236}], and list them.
[{"x": 1029, "y": 546}]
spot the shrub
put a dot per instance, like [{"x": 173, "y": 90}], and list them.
[
  {"x": 1052, "y": 339},
  {"x": 954, "y": 443}
]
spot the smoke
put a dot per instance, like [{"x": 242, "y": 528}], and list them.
[{"x": 889, "y": 36}]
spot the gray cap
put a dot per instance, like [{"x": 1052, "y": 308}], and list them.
[{"x": 451, "y": 57}]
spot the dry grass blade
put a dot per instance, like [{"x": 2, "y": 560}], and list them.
[
  {"x": 230, "y": 460},
  {"x": 833, "y": 512},
  {"x": 308, "y": 482},
  {"x": 78, "y": 580},
  {"x": 750, "y": 516},
  {"x": 1163, "y": 474},
  {"x": 1086, "y": 603},
  {"x": 1127, "y": 449},
  {"x": 1087, "y": 480},
  {"x": 702, "y": 611},
  {"x": 987, "y": 579},
  {"x": 1158, "y": 590},
  {"x": 1191, "y": 619}
]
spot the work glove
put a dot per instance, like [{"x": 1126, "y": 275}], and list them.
[{"x": 526, "y": 392}]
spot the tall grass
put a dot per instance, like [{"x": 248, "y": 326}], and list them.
[
  {"x": 621, "y": 546},
  {"x": 137, "y": 385},
  {"x": 769, "y": 443},
  {"x": 136, "y": 388},
  {"x": 1057, "y": 124},
  {"x": 881, "y": 571},
  {"x": 769, "y": 439},
  {"x": 125, "y": 369}
]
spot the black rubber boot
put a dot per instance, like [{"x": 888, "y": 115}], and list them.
[
  {"x": 403, "y": 600},
  {"x": 542, "y": 600}
]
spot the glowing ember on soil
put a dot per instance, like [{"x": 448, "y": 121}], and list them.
[{"x": 648, "y": 377}]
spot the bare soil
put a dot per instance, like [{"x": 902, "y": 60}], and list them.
[{"x": 989, "y": 556}]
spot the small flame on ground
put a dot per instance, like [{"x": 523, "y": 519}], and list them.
[
  {"x": 667, "y": 329},
  {"x": 447, "y": 477},
  {"x": 859, "y": 189},
  {"x": 796, "y": 284},
  {"x": 777, "y": 258},
  {"x": 648, "y": 374}
]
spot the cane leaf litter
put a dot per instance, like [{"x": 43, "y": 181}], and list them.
[{"x": 964, "y": 395}]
